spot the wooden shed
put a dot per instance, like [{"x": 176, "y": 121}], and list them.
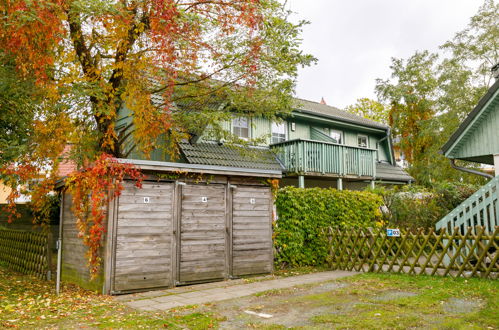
[{"x": 188, "y": 224}]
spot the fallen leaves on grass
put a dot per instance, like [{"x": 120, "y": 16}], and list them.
[{"x": 25, "y": 300}]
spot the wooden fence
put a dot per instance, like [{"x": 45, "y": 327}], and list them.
[
  {"x": 25, "y": 252},
  {"x": 470, "y": 253}
]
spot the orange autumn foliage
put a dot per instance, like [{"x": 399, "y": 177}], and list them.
[{"x": 95, "y": 59}]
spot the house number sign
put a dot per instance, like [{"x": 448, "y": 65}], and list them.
[
  {"x": 252, "y": 201},
  {"x": 204, "y": 199},
  {"x": 147, "y": 200},
  {"x": 393, "y": 232}
]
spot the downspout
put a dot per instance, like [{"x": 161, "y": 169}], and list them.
[
  {"x": 59, "y": 248},
  {"x": 467, "y": 170}
]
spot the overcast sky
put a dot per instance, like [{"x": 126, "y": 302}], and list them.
[{"x": 355, "y": 40}]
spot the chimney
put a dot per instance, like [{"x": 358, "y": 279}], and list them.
[
  {"x": 324, "y": 101},
  {"x": 495, "y": 71}
]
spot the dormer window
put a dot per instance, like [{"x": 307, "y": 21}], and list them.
[
  {"x": 278, "y": 132},
  {"x": 240, "y": 127}
]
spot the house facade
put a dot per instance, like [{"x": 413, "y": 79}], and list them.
[
  {"x": 477, "y": 140},
  {"x": 317, "y": 145}
]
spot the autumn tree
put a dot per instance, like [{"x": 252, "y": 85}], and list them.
[
  {"x": 411, "y": 97},
  {"x": 178, "y": 66}
]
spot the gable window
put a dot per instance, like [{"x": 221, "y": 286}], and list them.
[
  {"x": 278, "y": 132},
  {"x": 363, "y": 141},
  {"x": 336, "y": 136},
  {"x": 240, "y": 127}
]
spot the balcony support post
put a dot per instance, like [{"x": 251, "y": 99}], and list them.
[
  {"x": 373, "y": 184},
  {"x": 496, "y": 164},
  {"x": 301, "y": 181},
  {"x": 339, "y": 184}
]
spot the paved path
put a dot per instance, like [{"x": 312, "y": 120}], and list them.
[{"x": 217, "y": 291}]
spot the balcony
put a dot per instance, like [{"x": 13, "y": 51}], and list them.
[{"x": 307, "y": 157}]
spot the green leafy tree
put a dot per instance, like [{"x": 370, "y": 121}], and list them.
[
  {"x": 18, "y": 99},
  {"x": 476, "y": 47},
  {"x": 430, "y": 94},
  {"x": 369, "y": 109}
]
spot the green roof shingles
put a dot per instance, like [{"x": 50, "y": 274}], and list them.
[
  {"x": 388, "y": 172},
  {"x": 221, "y": 155},
  {"x": 335, "y": 113}
]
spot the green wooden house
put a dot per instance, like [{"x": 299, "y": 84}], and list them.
[
  {"x": 315, "y": 146},
  {"x": 477, "y": 140}
]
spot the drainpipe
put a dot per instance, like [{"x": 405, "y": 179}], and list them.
[
  {"x": 467, "y": 170},
  {"x": 59, "y": 249}
]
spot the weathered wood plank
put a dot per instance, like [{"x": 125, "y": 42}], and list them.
[
  {"x": 144, "y": 238},
  {"x": 125, "y": 230},
  {"x": 143, "y": 245},
  {"x": 136, "y": 285},
  {"x": 139, "y": 269},
  {"x": 145, "y": 207},
  {"x": 251, "y": 230},
  {"x": 257, "y": 225},
  {"x": 244, "y": 213},
  {"x": 139, "y": 200},
  {"x": 202, "y": 233},
  {"x": 144, "y": 215},
  {"x": 201, "y": 242},
  {"x": 264, "y": 246},
  {"x": 146, "y": 262}
]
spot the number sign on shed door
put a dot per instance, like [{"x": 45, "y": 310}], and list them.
[
  {"x": 251, "y": 230},
  {"x": 144, "y": 237},
  {"x": 202, "y": 238}
]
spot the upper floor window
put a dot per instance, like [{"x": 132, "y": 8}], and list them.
[
  {"x": 278, "y": 132},
  {"x": 336, "y": 136},
  {"x": 363, "y": 141},
  {"x": 240, "y": 127}
]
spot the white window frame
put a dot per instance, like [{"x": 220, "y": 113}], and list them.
[
  {"x": 335, "y": 131},
  {"x": 279, "y": 132},
  {"x": 367, "y": 141},
  {"x": 237, "y": 128}
]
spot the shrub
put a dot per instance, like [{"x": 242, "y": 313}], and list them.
[
  {"x": 415, "y": 206},
  {"x": 305, "y": 214}
]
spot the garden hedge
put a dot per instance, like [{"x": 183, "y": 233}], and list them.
[{"x": 304, "y": 214}]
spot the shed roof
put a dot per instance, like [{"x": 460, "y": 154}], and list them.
[
  {"x": 472, "y": 120},
  {"x": 222, "y": 155},
  {"x": 388, "y": 172},
  {"x": 328, "y": 111}
]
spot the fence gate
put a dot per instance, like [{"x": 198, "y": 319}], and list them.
[
  {"x": 144, "y": 237},
  {"x": 202, "y": 238},
  {"x": 251, "y": 230}
]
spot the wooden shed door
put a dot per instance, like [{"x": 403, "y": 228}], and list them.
[
  {"x": 203, "y": 241},
  {"x": 144, "y": 237},
  {"x": 251, "y": 230}
]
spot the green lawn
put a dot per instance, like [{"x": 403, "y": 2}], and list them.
[{"x": 363, "y": 301}]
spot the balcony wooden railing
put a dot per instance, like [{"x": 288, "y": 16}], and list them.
[
  {"x": 480, "y": 209},
  {"x": 307, "y": 157}
]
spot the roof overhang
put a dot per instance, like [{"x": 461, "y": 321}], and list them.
[
  {"x": 485, "y": 103},
  {"x": 313, "y": 116},
  {"x": 158, "y": 166}
]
